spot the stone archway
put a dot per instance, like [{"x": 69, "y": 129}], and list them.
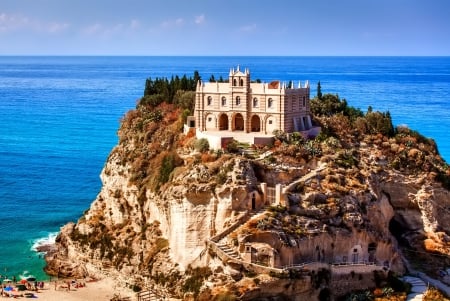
[
  {"x": 238, "y": 122},
  {"x": 223, "y": 122},
  {"x": 255, "y": 123},
  {"x": 355, "y": 254}
]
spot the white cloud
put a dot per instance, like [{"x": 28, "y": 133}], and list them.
[
  {"x": 12, "y": 22},
  {"x": 248, "y": 28},
  {"x": 99, "y": 29},
  {"x": 15, "y": 22},
  {"x": 57, "y": 27},
  {"x": 200, "y": 19},
  {"x": 135, "y": 24},
  {"x": 172, "y": 23},
  {"x": 93, "y": 29}
]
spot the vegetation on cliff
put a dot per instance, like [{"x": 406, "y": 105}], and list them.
[{"x": 356, "y": 147}]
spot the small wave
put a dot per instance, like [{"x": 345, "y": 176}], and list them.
[
  {"x": 25, "y": 274},
  {"x": 44, "y": 241}
]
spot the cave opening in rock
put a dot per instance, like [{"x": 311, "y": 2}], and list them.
[
  {"x": 398, "y": 228},
  {"x": 371, "y": 250}
]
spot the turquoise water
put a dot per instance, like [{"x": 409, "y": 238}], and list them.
[{"x": 59, "y": 117}]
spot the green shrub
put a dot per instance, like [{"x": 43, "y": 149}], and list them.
[
  {"x": 201, "y": 145},
  {"x": 195, "y": 281},
  {"x": 167, "y": 166},
  {"x": 221, "y": 178},
  {"x": 136, "y": 288}
]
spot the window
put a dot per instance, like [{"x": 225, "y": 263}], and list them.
[
  {"x": 234, "y": 82},
  {"x": 209, "y": 119},
  {"x": 270, "y": 103},
  {"x": 209, "y": 100},
  {"x": 304, "y": 101},
  {"x": 224, "y": 101},
  {"x": 241, "y": 82},
  {"x": 270, "y": 121},
  {"x": 255, "y": 102},
  {"x": 238, "y": 100}
]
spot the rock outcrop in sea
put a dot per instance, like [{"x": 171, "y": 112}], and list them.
[{"x": 304, "y": 218}]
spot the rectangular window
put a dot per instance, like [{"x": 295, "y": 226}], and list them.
[
  {"x": 209, "y": 119},
  {"x": 270, "y": 121},
  {"x": 304, "y": 101}
]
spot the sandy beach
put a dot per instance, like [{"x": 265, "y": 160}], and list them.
[{"x": 100, "y": 290}]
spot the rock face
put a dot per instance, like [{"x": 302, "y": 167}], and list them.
[{"x": 202, "y": 225}]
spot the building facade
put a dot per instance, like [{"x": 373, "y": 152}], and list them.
[{"x": 250, "y": 107}]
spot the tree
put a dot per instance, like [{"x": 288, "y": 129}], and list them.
[
  {"x": 212, "y": 79},
  {"x": 289, "y": 84},
  {"x": 197, "y": 78},
  {"x": 319, "y": 90}
]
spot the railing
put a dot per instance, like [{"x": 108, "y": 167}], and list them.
[
  {"x": 271, "y": 195},
  {"x": 150, "y": 295},
  {"x": 231, "y": 228}
]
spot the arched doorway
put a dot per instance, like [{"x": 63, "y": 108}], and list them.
[
  {"x": 223, "y": 122},
  {"x": 238, "y": 122},
  {"x": 255, "y": 123}
]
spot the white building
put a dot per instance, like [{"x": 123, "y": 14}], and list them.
[{"x": 249, "y": 110}]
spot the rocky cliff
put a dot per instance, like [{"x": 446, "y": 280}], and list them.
[{"x": 200, "y": 224}]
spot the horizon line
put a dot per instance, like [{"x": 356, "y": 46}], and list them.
[{"x": 207, "y": 55}]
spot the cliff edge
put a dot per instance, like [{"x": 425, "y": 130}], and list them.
[{"x": 301, "y": 218}]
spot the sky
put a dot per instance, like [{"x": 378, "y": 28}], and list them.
[{"x": 230, "y": 27}]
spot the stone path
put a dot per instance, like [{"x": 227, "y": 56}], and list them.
[{"x": 418, "y": 288}]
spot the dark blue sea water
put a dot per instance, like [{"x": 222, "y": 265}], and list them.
[{"x": 59, "y": 117}]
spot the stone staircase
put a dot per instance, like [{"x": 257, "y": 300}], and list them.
[
  {"x": 150, "y": 295},
  {"x": 249, "y": 152},
  {"x": 417, "y": 290},
  {"x": 229, "y": 251}
]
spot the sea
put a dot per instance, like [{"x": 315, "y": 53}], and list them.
[{"x": 59, "y": 117}]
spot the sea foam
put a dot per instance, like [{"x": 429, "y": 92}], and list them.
[{"x": 40, "y": 244}]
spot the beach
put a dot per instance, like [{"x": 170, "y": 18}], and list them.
[{"x": 98, "y": 290}]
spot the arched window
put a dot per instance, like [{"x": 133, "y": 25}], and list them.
[
  {"x": 270, "y": 103},
  {"x": 224, "y": 101},
  {"x": 234, "y": 82},
  {"x": 241, "y": 82},
  {"x": 238, "y": 100},
  {"x": 209, "y": 101},
  {"x": 304, "y": 101},
  {"x": 255, "y": 102}
]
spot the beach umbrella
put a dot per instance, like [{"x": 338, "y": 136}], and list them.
[
  {"x": 31, "y": 279},
  {"x": 7, "y": 280},
  {"x": 23, "y": 281},
  {"x": 8, "y": 288}
]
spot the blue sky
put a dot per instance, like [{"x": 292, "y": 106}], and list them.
[{"x": 231, "y": 27}]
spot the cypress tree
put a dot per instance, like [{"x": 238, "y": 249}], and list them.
[{"x": 319, "y": 90}]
